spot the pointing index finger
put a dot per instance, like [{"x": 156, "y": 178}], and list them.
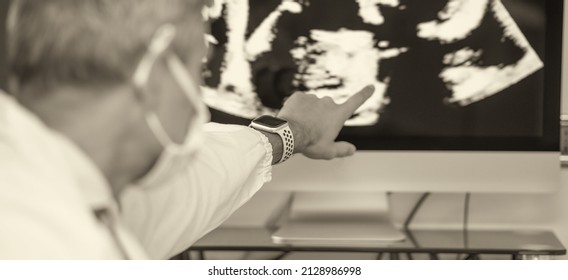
[{"x": 355, "y": 101}]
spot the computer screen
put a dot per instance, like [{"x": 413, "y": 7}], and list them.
[
  {"x": 467, "y": 98},
  {"x": 481, "y": 75}
]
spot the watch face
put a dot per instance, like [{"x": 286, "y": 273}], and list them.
[{"x": 269, "y": 121}]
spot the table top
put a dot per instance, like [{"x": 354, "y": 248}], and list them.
[{"x": 417, "y": 241}]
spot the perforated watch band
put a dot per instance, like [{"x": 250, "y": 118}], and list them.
[
  {"x": 283, "y": 131},
  {"x": 287, "y": 143}
]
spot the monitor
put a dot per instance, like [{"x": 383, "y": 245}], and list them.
[{"x": 467, "y": 96}]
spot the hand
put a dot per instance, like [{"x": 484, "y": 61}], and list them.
[{"x": 315, "y": 123}]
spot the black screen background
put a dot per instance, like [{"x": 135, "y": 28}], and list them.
[{"x": 522, "y": 117}]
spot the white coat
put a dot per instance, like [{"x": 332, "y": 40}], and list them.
[{"x": 50, "y": 191}]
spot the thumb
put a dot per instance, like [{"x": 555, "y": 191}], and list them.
[{"x": 344, "y": 149}]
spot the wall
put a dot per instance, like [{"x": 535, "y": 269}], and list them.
[{"x": 518, "y": 211}]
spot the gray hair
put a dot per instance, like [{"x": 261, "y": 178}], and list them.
[{"x": 97, "y": 43}]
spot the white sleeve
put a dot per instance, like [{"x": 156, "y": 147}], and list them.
[{"x": 232, "y": 166}]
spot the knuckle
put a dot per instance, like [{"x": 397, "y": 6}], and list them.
[
  {"x": 327, "y": 99},
  {"x": 304, "y": 96}
]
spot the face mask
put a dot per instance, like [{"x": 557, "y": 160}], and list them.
[{"x": 174, "y": 157}]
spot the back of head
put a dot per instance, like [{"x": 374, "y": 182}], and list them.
[{"x": 91, "y": 43}]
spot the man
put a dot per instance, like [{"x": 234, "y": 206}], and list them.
[{"x": 103, "y": 149}]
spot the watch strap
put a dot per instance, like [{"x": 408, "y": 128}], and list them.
[
  {"x": 286, "y": 136},
  {"x": 287, "y": 143}
]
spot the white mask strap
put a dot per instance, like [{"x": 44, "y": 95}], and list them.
[
  {"x": 188, "y": 86},
  {"x": 162, "y": 39},
  {"x": 158, "y": 129},
  {"x": 159, "y": 44},
  {"x": 184, "y": 79}
]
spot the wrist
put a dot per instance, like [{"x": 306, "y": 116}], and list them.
[
  {"x": 276, "y": 144},
  {"x": 298, "y": 134},
  {"x": 279, "y": 134}
]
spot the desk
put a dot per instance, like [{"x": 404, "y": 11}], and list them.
[{"x": 517, "y": 244}]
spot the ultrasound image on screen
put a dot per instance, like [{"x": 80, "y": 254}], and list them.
[{"x": 440, "y": 67}]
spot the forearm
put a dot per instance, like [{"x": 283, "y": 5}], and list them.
[{"x": 231, "y": 167}]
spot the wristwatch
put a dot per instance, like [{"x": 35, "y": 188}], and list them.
[{"x": 278, "y": 126}]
